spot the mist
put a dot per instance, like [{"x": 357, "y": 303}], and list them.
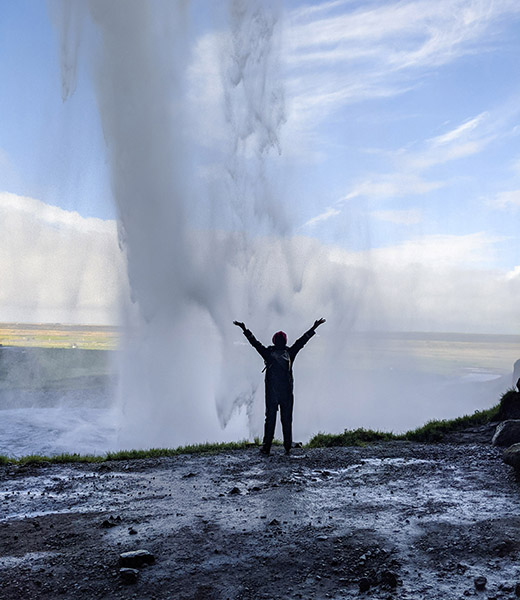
[{"x": 207, "y": 235}]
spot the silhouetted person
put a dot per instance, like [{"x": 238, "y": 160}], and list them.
[{"x": 278, "y": 359}]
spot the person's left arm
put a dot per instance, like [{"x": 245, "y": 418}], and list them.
[{"x": 301, "y": 341}]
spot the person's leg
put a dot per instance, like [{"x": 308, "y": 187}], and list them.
[
  {"x": 271, "y": 408},
  {"x": 286, "y": 411}
]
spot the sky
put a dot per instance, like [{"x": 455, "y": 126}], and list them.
[{"x": 399, "y": 141}]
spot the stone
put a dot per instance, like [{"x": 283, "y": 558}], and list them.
[
  {"x": 509, "y": 406},
  {"x": 389, "y": 578},
  {"x": 480, "y": 582},
  {"x": 234, "y": 491},
  {"x": 106, "y": 524},
  {"x": 507, "y": 433},
  {"x": 511, "y": 456},
  {"x": 128, "y": 575},
  {"x": 364, "y": 584},
  {"x": 136, "y": 559},
  {"x": 516, "y": 372}
]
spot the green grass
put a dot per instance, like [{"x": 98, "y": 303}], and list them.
[
  {"x": 431, "y": 432},
  {"x": 355, "y": 437},
  {"x": 206, "y": 448}
]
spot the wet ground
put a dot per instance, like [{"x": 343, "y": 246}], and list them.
[{"x": 394, "y": 520}]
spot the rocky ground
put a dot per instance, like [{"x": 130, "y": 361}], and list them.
[{"x": 394, "y": 520}]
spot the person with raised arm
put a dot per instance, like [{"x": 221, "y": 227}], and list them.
[{"x": 279, "y": 382}]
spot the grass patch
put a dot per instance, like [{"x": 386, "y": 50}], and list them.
[
  {"x": 431, "y": 432},
  {"x": 206, "y": 448},
  {"x": 356, "y": 437}
]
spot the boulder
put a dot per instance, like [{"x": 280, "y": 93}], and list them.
[
  {"x": 509, "y": 406},
  {"x": 511, "y": 456},
  {"x": 516, "y": 372},
  {"x": 507, "y": 433}
]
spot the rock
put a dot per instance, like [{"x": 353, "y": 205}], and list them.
[
  {"x": 107, "y": 524},
  {"x": 507, "y": 433},
  {"x": 511, "y": 456},
  {"x": 480, "y": 582},
  {"x": 111, "y": 522},
  {"x": 132, "y": 531},
  {"x": 389, "y": 578},
  {"x": 516, "y": 372},
  {"x": 509, "y": 406},
  {"x": 517, "y": 590},
  {"x": 128, "y": 575},
  {"x": 274, "y": 523},
  {"x": 364, "y": 584},
  {"x": 136, "y": 559},
  {"x": 234, "y": 491}
]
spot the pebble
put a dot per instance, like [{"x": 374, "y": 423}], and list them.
[
  {"x": 364, "y": 584},
  {"x": 480, "y": 582},
  {"x": 389, "y": 578},
  {"x": 136, "y": 558},
  {"x": 128, "y": 575}
]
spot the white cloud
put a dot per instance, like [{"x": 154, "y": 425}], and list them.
[
  {"x": 408, "y": 178},
  {"x": 337, "y": 53},
  {"x": 382, "y": 48},
  {"x": 431, "y": 252},
  {"x": 399, "y": 217},
  {"x": 324, "y": 216},
  {"x": 513, "y": 274},
  {"x": 459, "y": 131},
  {"x": 56, "y": 265},
  {"x": 506, "y": 200},
  {"x": 393, "y": 185}
]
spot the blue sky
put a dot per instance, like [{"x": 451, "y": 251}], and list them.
[
  {"x": 374, "y": 90},
  {"x": 401, "y": 130}
]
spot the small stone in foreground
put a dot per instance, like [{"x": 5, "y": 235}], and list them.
[
  {"x": 389, "y": 578},
  {"x": 507, "y": 433},
  {"x": 480, "y": 582},
  {"x": 136, "y": 558},
  {"x": 511, "y": 456},
  {"x": 106, "y": 524},
  {"x": 128, "y": 575},
  {"x": 364, "y": 584}
]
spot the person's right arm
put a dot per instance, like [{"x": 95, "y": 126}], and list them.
[{"x": 260, "y": 348}]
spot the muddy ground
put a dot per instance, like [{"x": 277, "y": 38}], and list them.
[{"x": 404, "y": 520}]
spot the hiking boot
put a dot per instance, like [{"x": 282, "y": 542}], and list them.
[{"x": 264, "y": 451}]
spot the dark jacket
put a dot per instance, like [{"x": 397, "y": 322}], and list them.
[{"x": 278, "y": 366}]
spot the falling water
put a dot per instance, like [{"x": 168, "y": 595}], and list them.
[{"x": 204, "y": 250}]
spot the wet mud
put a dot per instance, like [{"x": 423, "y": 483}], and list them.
[{"x": 393, "y": 520}]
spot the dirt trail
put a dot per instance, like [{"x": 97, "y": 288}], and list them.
[{"x": 403, "y": 520}]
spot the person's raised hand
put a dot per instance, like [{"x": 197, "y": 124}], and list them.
[
  {"x": 240, "y": 324},
  {"x": 318, "y": 322}
]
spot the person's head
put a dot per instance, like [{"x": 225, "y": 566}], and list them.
[{"x": 280, "y": 339}]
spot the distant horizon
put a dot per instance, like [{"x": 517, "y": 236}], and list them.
[{"x": 56, "y": 325}]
